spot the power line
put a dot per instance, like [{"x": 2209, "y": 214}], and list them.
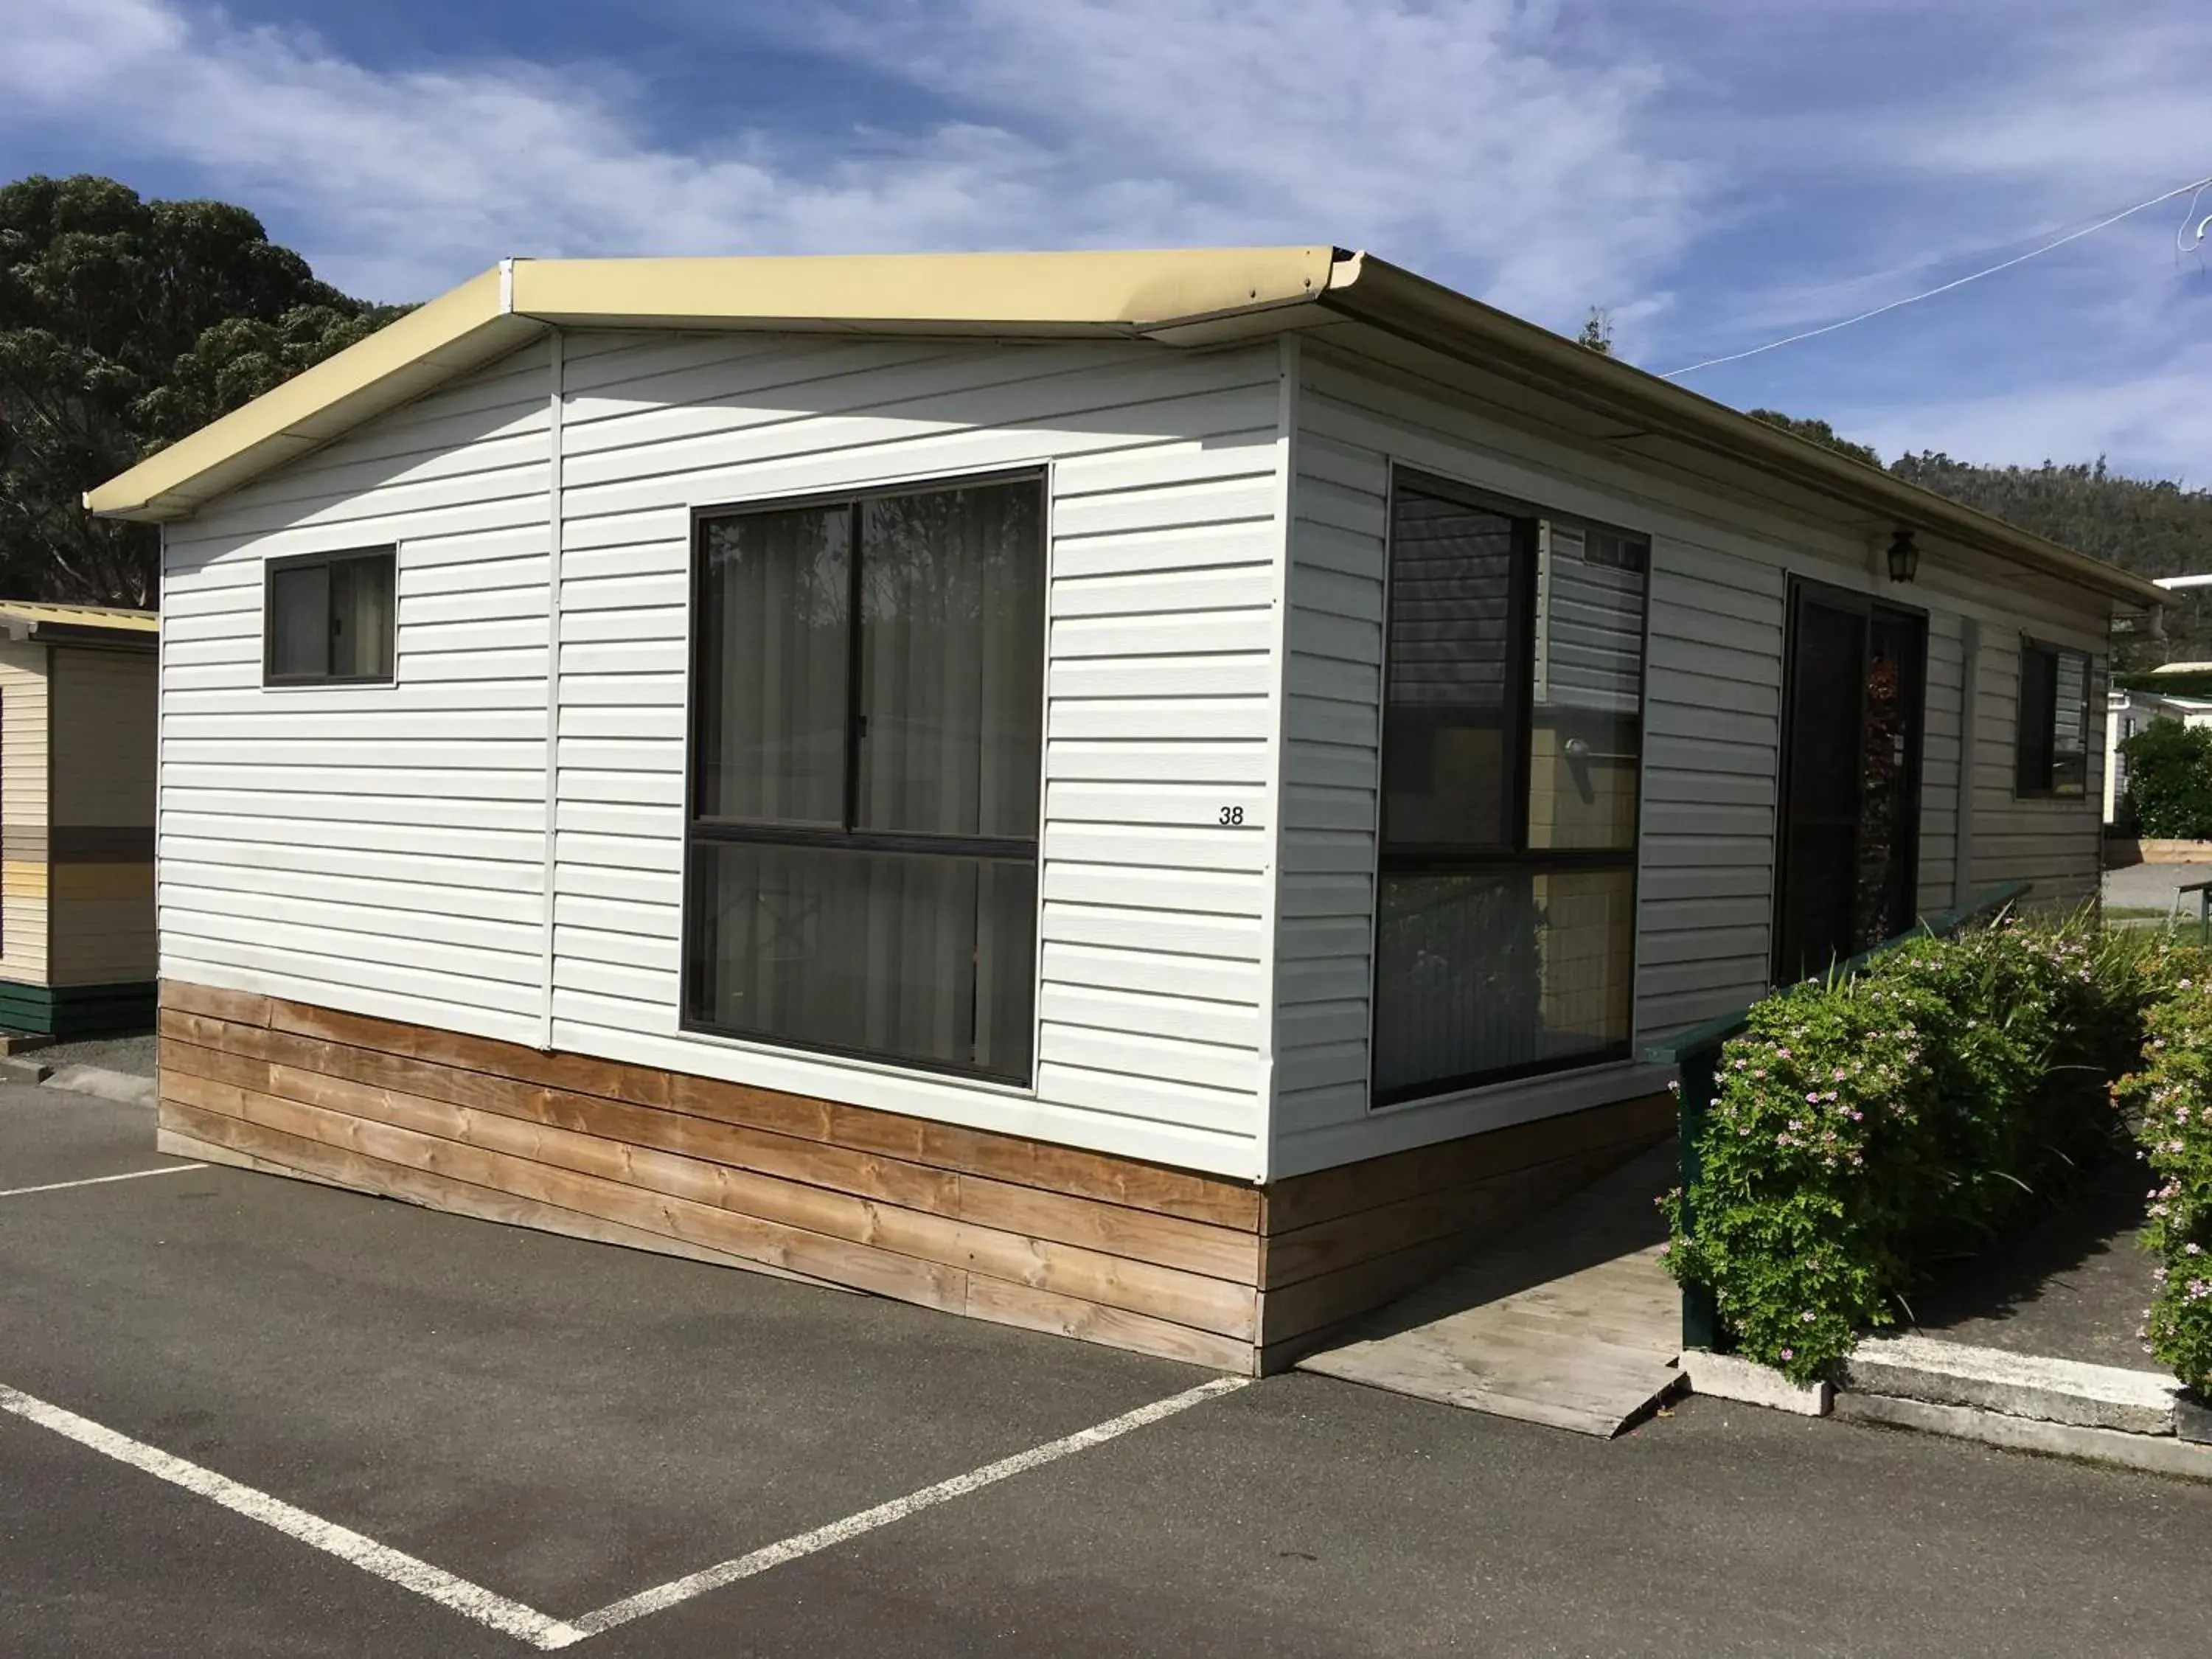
[{"x": 2194, "y": 185}]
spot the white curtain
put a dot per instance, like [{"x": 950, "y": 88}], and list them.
[{"x": 924, "y": 953}]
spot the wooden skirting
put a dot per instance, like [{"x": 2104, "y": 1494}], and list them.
[{"x": 1166, "y": 1262}]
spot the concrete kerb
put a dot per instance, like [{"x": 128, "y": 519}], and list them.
[
  {"x": 1731, "y": 1376},
  {"x": 2031, "y": 1386},
  {"x": 2025, "y": 1402},
  {"x": 2158, "y": 1453}
]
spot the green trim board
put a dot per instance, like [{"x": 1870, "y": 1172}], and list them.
[{"x": 77, "y": 1010}]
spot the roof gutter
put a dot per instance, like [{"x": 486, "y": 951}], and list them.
[{"x": 1385, "y": 296}]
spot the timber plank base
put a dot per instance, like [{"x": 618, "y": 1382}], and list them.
[{"x": 1135, "y": 1256}]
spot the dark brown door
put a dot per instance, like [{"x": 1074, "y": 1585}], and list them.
[{"x": 1855, "y": 679}]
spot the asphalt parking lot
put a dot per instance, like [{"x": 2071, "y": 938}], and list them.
[{"x": 248, "y": 1415}]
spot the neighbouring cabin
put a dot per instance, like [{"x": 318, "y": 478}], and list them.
[
  {"x": 77, "y": 694},
  {"x": 1158, "y": 797}
]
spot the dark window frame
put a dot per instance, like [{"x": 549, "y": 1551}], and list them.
[
  {"x": 1518, "y": 855},
  {"x": 1869, "y": 607},
  {"x": 2035, "y": 746},
  {"x": 699, "y": 829},
  {"x": 388, "y": 552}
]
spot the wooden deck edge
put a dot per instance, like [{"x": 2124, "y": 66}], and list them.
[{"x": 1308, "y": 1313}]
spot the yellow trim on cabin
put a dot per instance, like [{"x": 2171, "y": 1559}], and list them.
[
  {"x": 1182, "y": 297},
  {"x": 21, "y": 878},
  {"x": 80, "y": 616}
]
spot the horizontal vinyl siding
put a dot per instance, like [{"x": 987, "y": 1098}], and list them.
[
  {"x": 1939, "y": 762},
  {"x": 1712, "y": 740},
  {"x": 2057, "y": 845},
  {"x": 381, "y": 850},
  {"x": 1331, "y": 774},
  {"x": 377, "y": 848},
  {"x": 1350, "y": 430},
  {"x": 1158, "y": 684},
  {"x": 104, "y": 717},
  {"x": 24, "y": 882}
]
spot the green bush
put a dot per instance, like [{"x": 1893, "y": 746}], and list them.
[
  {"x": 2170, "y": 780},
  {"x": 2171, "y": 1098},
  {"x": 1860, "y": 1127}
]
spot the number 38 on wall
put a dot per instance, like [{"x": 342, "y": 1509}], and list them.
[{"x": 1232, "y": 815}]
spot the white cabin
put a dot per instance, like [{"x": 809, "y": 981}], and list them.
[{"x": 1158, "y": 796}]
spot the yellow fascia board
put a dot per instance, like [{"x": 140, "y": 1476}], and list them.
[
  {"x": 461, "y": 329},
  {"x": 1116, "y": 293},
  {"x": 1111, "y": 292},
  {"x": 81, "y": 615}
]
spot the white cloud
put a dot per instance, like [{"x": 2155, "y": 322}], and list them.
[
  {"x": 2158, "y": 422},
  {"x": 1454, "y": 138}
]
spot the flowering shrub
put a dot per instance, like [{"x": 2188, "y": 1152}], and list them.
[
  {"x": 2171, "y": 1099},
  {"x": 1859, "y": 1127}
]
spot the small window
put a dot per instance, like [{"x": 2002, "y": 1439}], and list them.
[
  {"x": 329, "y": 619},
  {"x": 2052, "y": 751}
]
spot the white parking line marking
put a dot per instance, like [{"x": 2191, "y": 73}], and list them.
[
  {"x": 94, "y": 1181},
  {"x": 838, "y": 1532},
  {"x": 470, "y": 1601}
]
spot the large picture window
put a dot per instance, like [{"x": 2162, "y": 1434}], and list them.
[
  {"x": 1512, "y": 743},
  {"x": 866, "y": 722},
  {"x": 328, "y": 619},
  {"x": 2051, "y": 747}
]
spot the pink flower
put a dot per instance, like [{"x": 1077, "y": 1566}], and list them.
[{"x": 1788, "y": 1354}]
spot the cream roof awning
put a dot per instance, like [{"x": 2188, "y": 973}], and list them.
[{"x": 1179, "y": 297}]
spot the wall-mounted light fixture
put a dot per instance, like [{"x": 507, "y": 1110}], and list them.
[{"x": 1904, "y": 557}]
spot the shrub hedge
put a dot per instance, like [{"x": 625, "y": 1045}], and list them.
[
  {"x": 1859, "y": 1127},
  {"x": 2171, "y": 1098},
  {"x": 2170, "y": 780}
]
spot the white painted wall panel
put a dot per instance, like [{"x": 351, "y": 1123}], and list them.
[
  {"x": 1713, "y": 709},
  {"x": 310, "y": 837},
  {"x": 1164, "y": 556},
  {"x": 378, "y": 848}
]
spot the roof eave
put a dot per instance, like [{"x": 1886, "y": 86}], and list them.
[
  {"x": 455, "y": 332},
  {"x": 1384, "y": 295}
]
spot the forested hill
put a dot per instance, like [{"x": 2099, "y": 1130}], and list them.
[
  {"x": 2150, "y": 526},
  {"x": 125, "y": 324}
]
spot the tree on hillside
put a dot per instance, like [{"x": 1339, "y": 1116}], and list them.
[
  {"x": 2151, "y": 526},
  {"x": 1818, "y": 432},
  {"x": 124, "y": 324}
]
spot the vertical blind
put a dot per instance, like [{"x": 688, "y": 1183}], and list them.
[{"x": 867, "y": 724}]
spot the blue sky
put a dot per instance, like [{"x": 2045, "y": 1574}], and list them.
[{"x": 1715, "y": 172}]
